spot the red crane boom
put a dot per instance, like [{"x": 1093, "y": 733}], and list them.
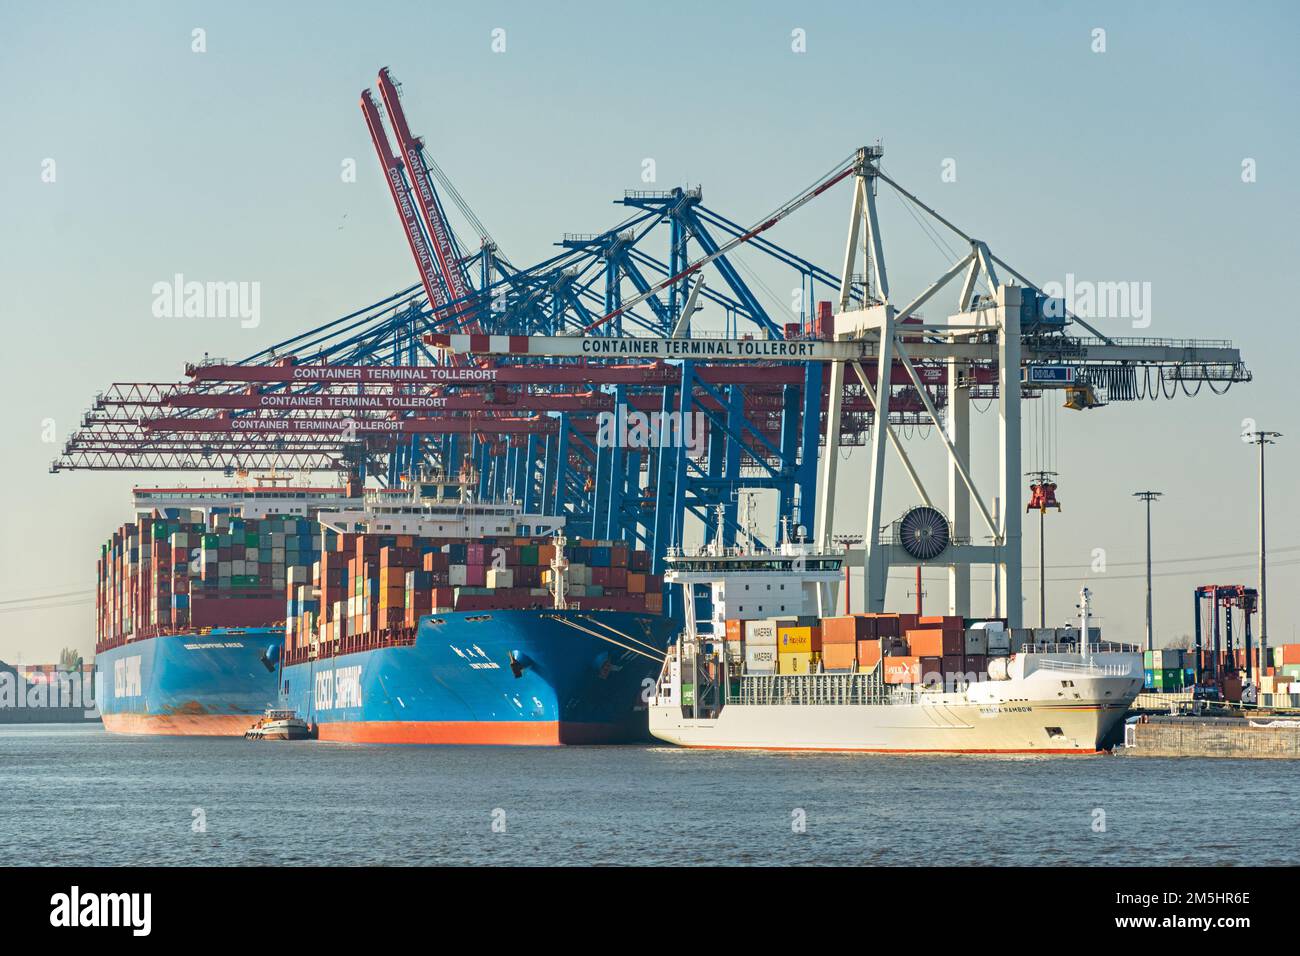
[
  {"x": 405, "y": 206},
  {"x": 418, "y": 175}
]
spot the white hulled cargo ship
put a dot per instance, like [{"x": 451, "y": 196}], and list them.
[{"x": 719, "y": 692}]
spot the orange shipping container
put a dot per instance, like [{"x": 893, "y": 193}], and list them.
[
  {"x": 1290, "y": 653},
  {"x": 838, "y": 657},
  {"x": 847, "y": 630},
  {"x": 868, "y": 652},
  {"x": 902, "y": 670},
  {"x": 735, "y": 630},
  {"x": 936, "y": 643}
]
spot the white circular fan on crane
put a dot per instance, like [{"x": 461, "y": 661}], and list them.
[{"x": 924, "y": 532}]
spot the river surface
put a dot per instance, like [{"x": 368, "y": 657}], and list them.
[{"x": 77, "y": 795}]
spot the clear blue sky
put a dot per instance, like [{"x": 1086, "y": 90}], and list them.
[{"x": 1122, "y": 165}]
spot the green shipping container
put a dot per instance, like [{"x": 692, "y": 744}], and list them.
[
  {"x": 252, "y": 539},
  {"x": 528, "y": 554},
  {"x": 688, "y": 695},
  {"x": 1171, "y": 679}
]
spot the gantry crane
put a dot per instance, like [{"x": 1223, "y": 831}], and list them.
[{"x": 502, "y": 381}]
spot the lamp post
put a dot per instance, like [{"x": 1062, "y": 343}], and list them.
[
  {"x": 1148, "y": 497},
  {"x": 1262, "y": 438}
]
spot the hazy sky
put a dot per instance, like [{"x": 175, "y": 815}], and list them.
[{"x": 1122, "y": 165}]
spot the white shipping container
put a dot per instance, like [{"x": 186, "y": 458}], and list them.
[
  {"x": 456, "y": 576},
  {"x": 760, "y": 659},
  {"x": 500, "y": 578},
  {"x": 761, "y": 633}
]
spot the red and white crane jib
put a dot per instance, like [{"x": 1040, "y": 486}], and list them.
[
  {"x": 406, "y": 210},
  {"x": 424, "y": 194}
]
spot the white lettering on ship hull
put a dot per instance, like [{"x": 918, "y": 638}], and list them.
[
  {"x": 339, "y": 688},
  {"x": 126, "y": 677}
]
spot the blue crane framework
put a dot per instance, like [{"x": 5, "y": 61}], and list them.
[{"x": 365, "y": 394}]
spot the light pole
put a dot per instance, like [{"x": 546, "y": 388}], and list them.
[
  {"x": 1262, "y": 438},
  {"x": 1148, "y": 497}
]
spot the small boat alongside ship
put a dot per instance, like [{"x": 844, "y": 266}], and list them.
[
  {"x": 280, "y": 724},
  {"x": 721, "y": 693}
]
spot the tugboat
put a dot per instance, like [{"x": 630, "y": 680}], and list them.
[{"x": 280, "y": 725}]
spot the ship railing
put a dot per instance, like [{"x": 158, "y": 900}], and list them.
[
  {"x": 810, "y": 689},
  {"x": 1094, "y": 647},
  {"x": 1084, "y": 667}
]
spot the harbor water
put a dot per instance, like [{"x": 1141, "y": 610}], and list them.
[{"x": 77, "y": 796}]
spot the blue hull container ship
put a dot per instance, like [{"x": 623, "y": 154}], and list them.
[
  {"x": 439, "y": 620},
  {"x": 413, "y": 616},
  {"x": 190, "y": 608}
]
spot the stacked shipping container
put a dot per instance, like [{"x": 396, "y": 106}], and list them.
[
  {"x": 375, "y": 588},
  {"x": 913, "y": 646},
  {"x": 174, "y": 574}
]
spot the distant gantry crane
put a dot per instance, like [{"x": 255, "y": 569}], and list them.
[{"x": 516, "y": 376}]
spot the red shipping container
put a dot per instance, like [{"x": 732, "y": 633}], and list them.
[
  {"x": 977, "y": 664},
  {"x": 888, "y": 626},
  {"x": 946, "y": 621},
  {"x": 954, "y": 664}
]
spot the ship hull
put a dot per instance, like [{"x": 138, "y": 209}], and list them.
[
  {"x": 920, "y": 729},
  {"x": 584, "y": 677},
  {"x": 1050, "y": 711},
  {"x": 214, "y": 685}
]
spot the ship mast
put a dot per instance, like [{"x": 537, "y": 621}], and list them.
[{"x": 560, "y": 573}]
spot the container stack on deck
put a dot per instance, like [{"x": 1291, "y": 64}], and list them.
[
  {"x": 915, "y": 648},
  {"x": 370, "y": 587},
  {"x": 162, "y": 574}
]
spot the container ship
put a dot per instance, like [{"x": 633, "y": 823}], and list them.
[
  {"x": 437, "y": 621},
  {"x": 765, "y": 673},
  {"x": 190, "y": 604}
]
